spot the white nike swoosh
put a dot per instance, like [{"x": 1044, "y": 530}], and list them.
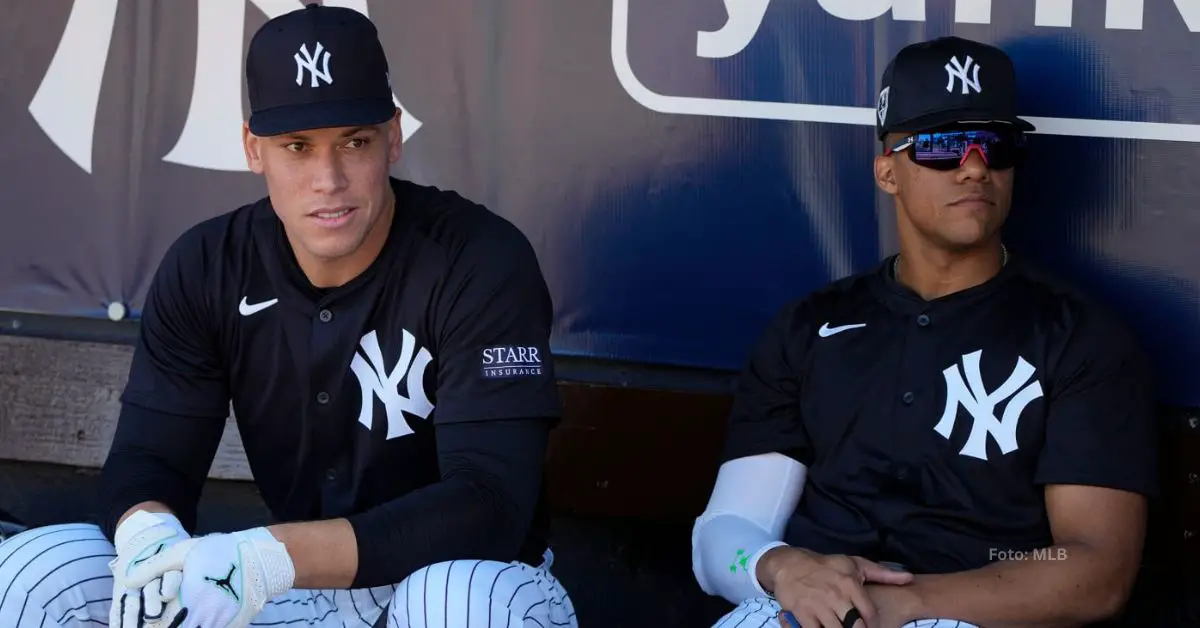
[
  {"x": 246, "y": 309},
  {"x": 826, "y": 331}
]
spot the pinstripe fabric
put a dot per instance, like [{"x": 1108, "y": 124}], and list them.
[
  {"x": 475, "y": 593},
  {"x": 58, "y": 576},
  {"x": 761, "y": 612}
]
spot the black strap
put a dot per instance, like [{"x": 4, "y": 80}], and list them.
[{"x": 852, "y": 616}]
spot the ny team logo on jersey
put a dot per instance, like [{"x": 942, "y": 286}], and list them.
[
  {"x": 1016, "y": 392},
  {"x": 376, "y": 380}
]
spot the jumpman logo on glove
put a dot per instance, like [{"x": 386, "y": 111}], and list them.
[
  {"x": 226, "y": 583},
  {"x": 256, "y": 568}
]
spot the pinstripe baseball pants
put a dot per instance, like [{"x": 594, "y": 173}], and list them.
[
  {"x": 761, "y": 612},
  {"x": 58, "y": 576}
]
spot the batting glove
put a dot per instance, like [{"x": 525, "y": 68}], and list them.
[
  {"x": 141, "y": 536},
  {"x": 227, "y": 578}
]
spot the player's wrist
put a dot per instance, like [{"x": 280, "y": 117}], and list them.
[
  {"x": 140, "y": 521},
  {"x": 753, "y": 567},
  {"x": 777, "y": 561},
  {"x": 278, "y": 570}
]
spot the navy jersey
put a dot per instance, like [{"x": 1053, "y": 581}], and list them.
[
  {"x": 336, "y": 392},
  {"x": 930, "y": 428}
]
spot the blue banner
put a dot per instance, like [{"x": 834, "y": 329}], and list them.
[{"x": 683, "y": 167}]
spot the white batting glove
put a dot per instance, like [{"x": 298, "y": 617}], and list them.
[
  {"x": 141, "y": 536},
  {"x": 227, "y": 578}
]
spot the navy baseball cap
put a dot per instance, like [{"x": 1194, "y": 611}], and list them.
[
  {"x": 317, "y": 67},
  {"x": 947, "y": 81}
]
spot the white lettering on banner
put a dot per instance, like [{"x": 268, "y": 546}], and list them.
[
  {"x": 746, "y": 18},
  {"x": 376, "y": 381},
  {"x": 66, "y": 102},
  {"x": 973, "y": 396},
  {"x": 906, "y": 10},
  {"x": 1118, "y": 14}
]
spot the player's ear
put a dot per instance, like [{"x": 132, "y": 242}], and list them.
[
  {"x": 253, "y": 147},
  {"x": 885, "y": 173},
  {"x": 395, "y": 137}
]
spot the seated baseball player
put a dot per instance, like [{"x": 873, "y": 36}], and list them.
[
  {"x": 951, "y": 439},
  {"x": 384, "y": 347}
]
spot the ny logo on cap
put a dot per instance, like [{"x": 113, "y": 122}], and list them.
[
  {"x": 306, "y": 61},
  {"x": 956, "y": 70}
]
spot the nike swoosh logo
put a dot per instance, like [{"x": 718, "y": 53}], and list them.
[
  {"x": 826, "y": 331},
  {"x": 246, "y": 309}
]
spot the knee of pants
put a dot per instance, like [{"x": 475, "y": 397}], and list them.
[
  {"x": 59, "y": 570},
  {"x": 474, "y": 593},
  {"x": 755, "y": 611}
]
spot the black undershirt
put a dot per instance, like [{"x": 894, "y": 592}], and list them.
[{"x": 481, "y": 508}]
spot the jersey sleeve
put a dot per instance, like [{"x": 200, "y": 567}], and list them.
[
  {"x": 176, "y": 366},
  {"x": 1101, "y": 426},
  {"x": 494, "y": 315},
  {"x": 766, "y": 414}
]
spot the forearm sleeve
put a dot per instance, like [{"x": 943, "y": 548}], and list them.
[
  {"x": 157, "y": 457},
  {"x": 482, "y": 508},
  {"x": 746, "y": 515}
]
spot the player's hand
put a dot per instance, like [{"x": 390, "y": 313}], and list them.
[
  {"x": 819, "y": 590},
  {"x": 227, "y": 578},
  {"x": 141, "y": 536}
]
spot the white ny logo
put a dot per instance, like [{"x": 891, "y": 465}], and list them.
[
  {"x": 956, "y": 70},
  {"x": 66, "y": 103},
  {"x": 306, "y": 61},
  {"x": 376, "y": 381},
  {"x": 981, "y": 405}
]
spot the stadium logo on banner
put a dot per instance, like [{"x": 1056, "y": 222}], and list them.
[
  {"x": 745, "y": 18},
  {"x": 67, "y": 100}
]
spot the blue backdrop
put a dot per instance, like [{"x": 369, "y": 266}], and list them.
[{"x": 682, "y": 170}]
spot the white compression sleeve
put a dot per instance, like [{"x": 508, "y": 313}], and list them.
[{"x": 746, "y": 515}]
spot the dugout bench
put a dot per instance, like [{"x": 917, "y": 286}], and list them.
[{"x": 628, "y": 470}]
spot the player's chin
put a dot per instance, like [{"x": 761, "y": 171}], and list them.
[
  {"x": 965, "y": 232},
  {"x": 334, "y": 245}
]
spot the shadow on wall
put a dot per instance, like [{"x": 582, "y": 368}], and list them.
[{"x": 1083, "y": 207}]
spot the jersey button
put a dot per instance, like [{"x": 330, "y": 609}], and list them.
[
  {"x": 322, "y": 397},
  {"x": 902, "y": 473},
  {"x": 923, "y": 320},
  {"x": 326, "y": 316},
  {"x": 331, "y": 474},
  {"x": 907, "y": 398}
]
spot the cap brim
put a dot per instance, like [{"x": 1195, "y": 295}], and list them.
[
  {"x": 942, "y": 119},
  {"x": 321, "y": 115}
]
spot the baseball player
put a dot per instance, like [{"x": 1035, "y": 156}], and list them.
[
  {"x": 949, "y": 440},
  {"x": 384, "y": 346}
]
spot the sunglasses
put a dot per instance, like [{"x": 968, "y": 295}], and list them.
[{"x": 947, "y": 150}]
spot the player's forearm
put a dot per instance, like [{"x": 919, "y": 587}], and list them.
[
  {"x": 157, "y": 458},
  {"x": 460, "y": 517},
  {"x": 1064, "y": 586},
  {"x": 324, "y": 553}
]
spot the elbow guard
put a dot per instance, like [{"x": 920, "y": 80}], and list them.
[{"x": 750, "y": 505}]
